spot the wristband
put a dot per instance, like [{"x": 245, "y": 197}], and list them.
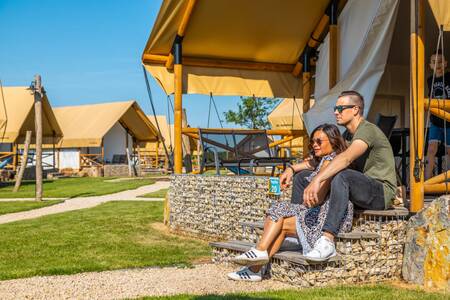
[{"x": 293, "y": 171}]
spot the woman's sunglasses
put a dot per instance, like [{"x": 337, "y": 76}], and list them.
[
  {"x": 316, "y": 141},
  {"x": 341, "y": 108}
]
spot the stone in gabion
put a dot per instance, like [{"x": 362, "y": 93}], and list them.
[{"x": 427, "y": 248}]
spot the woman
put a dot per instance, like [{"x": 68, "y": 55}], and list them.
[{"x": 285, "y": 219}]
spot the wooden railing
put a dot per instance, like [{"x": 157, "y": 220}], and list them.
[{"x": 90, "y": 160}]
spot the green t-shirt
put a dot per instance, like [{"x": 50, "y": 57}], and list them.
[{"x": 378, "y": 161}]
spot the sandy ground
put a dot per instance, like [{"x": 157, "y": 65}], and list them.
[{"x": 119, "y": 284}]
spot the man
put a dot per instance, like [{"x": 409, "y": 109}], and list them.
[
  {"x": 439, "y": 89},
  {"x": 370, "y": 185}
]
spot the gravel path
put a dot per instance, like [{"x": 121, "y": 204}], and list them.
[
  {"x": 86, "y": 202},
  {"x": 200, "y": 280}
]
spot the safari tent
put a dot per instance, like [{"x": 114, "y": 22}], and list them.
[
  {"x": 98, "y": 134},
  {"x": 17, "y": 116},
  {"x": 381, "y": 50}
]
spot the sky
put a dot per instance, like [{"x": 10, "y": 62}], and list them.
[{"x": 88, "y": 51}]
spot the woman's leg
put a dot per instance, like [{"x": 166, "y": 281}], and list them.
[
  {"x": 288, "y": 227},
  {"x": 271, "y": 232}
]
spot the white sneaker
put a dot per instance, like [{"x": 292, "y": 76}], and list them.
[
  {"x": 323, "y": 250},
  {"x": 252, "y": 257},
  {"x": 245, "y": 274}
]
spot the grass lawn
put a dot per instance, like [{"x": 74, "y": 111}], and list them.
[
  {"x": 8, "y": 207},
  {"x": 157, "y": 194},
  {"x": 73, "y": 187},
  {"x": 114, "y": 235},
  {"x": 366, "y": 292}
]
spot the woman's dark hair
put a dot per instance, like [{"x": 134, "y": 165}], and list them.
[{"x": 334, "y": 136}]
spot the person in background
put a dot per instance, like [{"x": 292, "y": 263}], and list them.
[{"x": 439, "y": 130}]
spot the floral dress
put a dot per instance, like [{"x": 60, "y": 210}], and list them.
[{"x": 310, "y": 221}]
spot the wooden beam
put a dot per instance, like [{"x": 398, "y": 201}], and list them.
[
  {"x": 192, "y": 135},
  {"x": 293, "y": 132},
  {"x": 438, "y": 179},
  {"x": 417, "y": 105},
  {"x": 182, "y": 29},
  {"x": 224, "y": 64},
  {"x": 440, "y": 113},
  {"x": 178, "y": 150},
  {"x": 438, "y": 188},
  {"x": 313, "y": 42},
  {"x": 23, "y": 164},
  {"x": 282, "y": 141},
  {"x": 437, "y": 103}
]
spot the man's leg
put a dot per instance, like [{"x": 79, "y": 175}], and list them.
[
  {"x": 347, "y": 185},
  {"x": 299, "y": 183},
  {"x": 363, "y": 191},
  {"x": 431, "y": 156},
  {"x": 435, "y": 135}
]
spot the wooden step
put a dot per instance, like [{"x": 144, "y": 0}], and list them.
[
  {"x": 356, "y": 234},
  {"x": 288, "y": 256}
]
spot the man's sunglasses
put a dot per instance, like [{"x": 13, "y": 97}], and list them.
[
  {"x": 341, "y": 108},
  {"x": 316, "y": 141}
]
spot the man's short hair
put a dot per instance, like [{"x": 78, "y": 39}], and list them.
[{"x": 356, "y": 98}]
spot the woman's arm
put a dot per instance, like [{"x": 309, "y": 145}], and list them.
[{"x": 286, "y": 177}]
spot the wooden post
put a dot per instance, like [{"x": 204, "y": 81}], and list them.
[
  {"x": 15, "y": 156},
  {"x": 103, "y": 152},
  {"x": 54, "y": 150},
  {"x": 23, "y": 163},
  {"x": 157, "y": 155},
  {"x": 332, "y": 67},
  {"x": 417, "y": 105},
  {"x": 178, "y": 107},
  {"x": 38, "y": 94},
  {"x": 306, "y": 96}
]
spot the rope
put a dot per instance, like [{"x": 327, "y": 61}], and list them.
[
  {"x": 441, "y": 32},
  {"x": 209, "y": 110},
  {"x": 149, "y": 92},
  {"x": 217, "y": 111},
  {"x": 431, "y": 92}
]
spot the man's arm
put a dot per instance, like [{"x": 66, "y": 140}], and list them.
[
  {"x": 339, "y": 163},
  {"x": 343, "y": 160}
]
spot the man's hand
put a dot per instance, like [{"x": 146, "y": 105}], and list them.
[
  {"x": 311, "y": 193},
  {"x": 286, "y": 178}
]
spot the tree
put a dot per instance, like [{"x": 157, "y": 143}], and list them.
[{"x": 252, "y": 112}]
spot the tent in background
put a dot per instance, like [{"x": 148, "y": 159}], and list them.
[
  {"x": 98, "y": 134},
  {"x": 17, "y": 117}
]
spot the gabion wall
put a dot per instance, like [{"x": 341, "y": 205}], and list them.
[{"x": 212, "y": 207}]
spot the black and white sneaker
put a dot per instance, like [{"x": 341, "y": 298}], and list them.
[
  {"x": 252, "y": 257},
  {"x": 245, "y": 274}
]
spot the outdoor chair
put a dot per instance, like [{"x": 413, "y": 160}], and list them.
[
  {"x": 386, "y": 124},
  {"x": 239, "y": 151}
]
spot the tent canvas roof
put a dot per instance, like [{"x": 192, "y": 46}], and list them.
[
  {"x": 287, "y": 114},
  {"x": 17, "y": 116},
  {"x": 227, "y": 30},
  {"x": 86, "y": 125},
  {"x": 163, "y": 126}
]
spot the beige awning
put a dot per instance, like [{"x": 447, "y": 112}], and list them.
[
  {"x": 86, "y": 125},
  {"x": 287, "y": 114},
  {"x": 230, "y": 34},
  {"x": 441, "y": 11},
  {"x": 17, "y": 117}
]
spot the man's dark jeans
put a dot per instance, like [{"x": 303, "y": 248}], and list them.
[{"x": 363, "y": 191}]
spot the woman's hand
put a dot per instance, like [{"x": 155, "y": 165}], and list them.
[
  {"x": 286, "y": 178},
  {"x": 311, "y": 193}
]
